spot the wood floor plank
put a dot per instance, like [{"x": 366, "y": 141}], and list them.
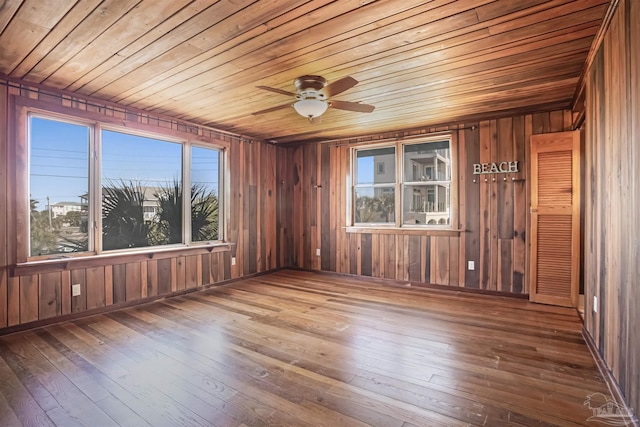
[
  {"x": 296, "y": 348},
  {"x": 19, "y": 404},
  {"x": 74, "y": 406}
]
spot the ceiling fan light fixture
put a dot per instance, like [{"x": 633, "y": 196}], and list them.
[{"x": 311, "y": 108}]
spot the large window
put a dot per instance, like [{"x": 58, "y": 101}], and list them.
[
  {"x": 95, "y": 189},
  {"x": 404, "y": 184}
]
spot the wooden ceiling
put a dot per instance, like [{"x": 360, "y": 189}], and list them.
[{"x": 421, "y": 63}]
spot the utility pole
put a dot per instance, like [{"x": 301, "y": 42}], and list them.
[{"x": 49, "y": 208}]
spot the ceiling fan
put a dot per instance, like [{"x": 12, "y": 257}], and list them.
[{"x": 313, "y": 97}]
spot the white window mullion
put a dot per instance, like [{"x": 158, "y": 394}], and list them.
[
  {"x": 224, "y": 194},
  {"x": 95, "y": 190},
  {"x": 399, "y": 183},
  {"x": 186, "y": 193}
]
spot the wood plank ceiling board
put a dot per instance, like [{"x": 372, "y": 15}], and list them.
[{"x": 419, "y": 63}]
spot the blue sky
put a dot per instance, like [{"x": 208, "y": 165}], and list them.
[{"x": 59, "y": 154}]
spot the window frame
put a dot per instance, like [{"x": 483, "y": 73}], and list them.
[
  {"x": 400, "y": 185},
  {"x": 96, "y": 125}
]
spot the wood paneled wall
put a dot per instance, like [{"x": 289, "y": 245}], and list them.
[
  {"x": 493, "y": 215},
  {"x": 612, "y": 205},
  {"x": 257, "y": 231}
]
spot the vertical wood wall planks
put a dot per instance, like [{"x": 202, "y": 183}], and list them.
[
  {"x": 174, "y": 274},
  {"x": 612, "y": 200},
  {"x": 632, "y": 353},
  {"x": 108, "y": 285},
  {"x": 13, "y": 301},
  {"x": 28, "y": 298},
  {"x": 325, "y": 217},
  {"x": 96, "y": 287},
  {"x": 65, "y": 292},
  {"x": 4, "y": 191},
  {"x": 144, "y": 271},
  {"x": 520, "y": 206},
  {"x": 152, "y": 278},
  {"x": 493, "y": 215},
  {"x": 504, "y": 185},
  {"x": 191, "y": 273},
  {"x": 180, "y": 273},
  {"x": 164, "y": 276},
  {"x": 365, "y": 254},
  {"x": 464, "y": 175},
  {"x": 471, "y": 226},
  {"x": 4, "y": 292},
  {"x": 454, "y": 261},
  {"x": 79, "y": 303},
  {"x": 132, "y": 282},
  {"x": 119, "y": 277},
  {"x": 49, "y": 301},
  {"x": 485, "y": 255},
  {"x": 375, "y": 255}
]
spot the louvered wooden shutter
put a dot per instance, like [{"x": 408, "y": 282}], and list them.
[{"x": 555, "y": 218}]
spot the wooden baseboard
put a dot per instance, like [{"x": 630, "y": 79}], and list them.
[
  {"x": 404, "y": 283},
  {"x": 114, "y": 307},
  {"x": 608, "y": 377}
]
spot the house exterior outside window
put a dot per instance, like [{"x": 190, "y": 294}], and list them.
[{"x": 415, "y": 190}]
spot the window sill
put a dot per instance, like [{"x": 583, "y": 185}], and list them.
[
  {"x": 69, "y": 263},
  {"x": 406, "y": 231}
]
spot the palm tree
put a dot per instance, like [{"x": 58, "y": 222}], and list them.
[
  {"x": 204, "y": 214},
  {"x": 123, "y": 224},
  {"x": 167, "y": 228}
]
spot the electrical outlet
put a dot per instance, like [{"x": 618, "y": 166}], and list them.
[
  {"x": 317, "y": 251},
  {"x": 471, "y": 265},
  {"x": 76, "y": 290},
  {"x": 595, "y": 304},
  {"x": 233, "y": 260}
]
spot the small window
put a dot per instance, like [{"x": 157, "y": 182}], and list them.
[
  {"x": 374, "y": 195},
  {"x": 417, "y": 185}
]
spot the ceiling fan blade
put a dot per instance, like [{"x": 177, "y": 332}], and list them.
[
  {"x": 352, "y": 106},
  {"x": 276, "y": 90},
  {"x": 268, "y": 110},
  {"x": 339, "y": 86}
]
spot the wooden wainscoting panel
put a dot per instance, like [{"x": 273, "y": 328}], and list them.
[
  {"x": 79, "y": 303},
  {"x": 96, "y": 287},
  {"x": 49, "y": 301},
  {"x": 28, "y": 303}
]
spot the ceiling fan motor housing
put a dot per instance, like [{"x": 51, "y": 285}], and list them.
[{"x": 310, "y": 87}]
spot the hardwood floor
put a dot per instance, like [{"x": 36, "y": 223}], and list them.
[{"x": 296, "y": 348}]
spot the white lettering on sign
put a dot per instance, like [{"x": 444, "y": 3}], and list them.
[{"x": 502, "y": 167}]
